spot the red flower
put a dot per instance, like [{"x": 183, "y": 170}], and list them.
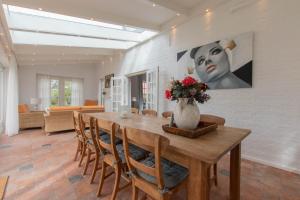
[
  {"x": 168, "y": 94},
  {"x": 188, "y": 81}
]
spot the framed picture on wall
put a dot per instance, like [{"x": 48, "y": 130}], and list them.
[
  {"x": 107, "y": 80},
  {"x": 222, "y": 64}
]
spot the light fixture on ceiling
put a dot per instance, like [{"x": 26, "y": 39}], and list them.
[
  {"x": 207, "y": 10},
  {"x": 40, "y": 9},
  {"x": 173, "y": 27},
  {"x": 153, "y": 4},
  {"x": 178, "y": 14}
]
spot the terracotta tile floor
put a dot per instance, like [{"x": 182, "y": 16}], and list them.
[{"x": 42, "y": 167}]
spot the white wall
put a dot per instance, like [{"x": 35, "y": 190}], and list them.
[
  {"x": 27, "y": 79},
  {"x": 271, "y": 108}
]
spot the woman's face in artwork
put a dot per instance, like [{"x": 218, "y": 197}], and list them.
[{"x": 211, "y": 62}]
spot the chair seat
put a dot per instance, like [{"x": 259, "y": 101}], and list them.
[
  {"x": 106, "y": 138},
  {"x": 136, "y": 153},
  {"x": 173, "y": 174}
]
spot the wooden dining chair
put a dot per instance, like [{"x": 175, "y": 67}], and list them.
[
  {"x": 220, "y": 121},
  {"x": 113, "y": 154},
  {"x": 149, "y": 112},
  {"x": 88, "y": 148},
  {"x": 157, "y": 177},
  {"x": 167, "y": 114},
  {"x": 79, "y": 136},
  {"x": 134, "y": 110}
]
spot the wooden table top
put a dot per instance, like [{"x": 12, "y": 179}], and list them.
[{"x": 208, "y": 148}]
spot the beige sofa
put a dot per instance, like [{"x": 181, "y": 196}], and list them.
[{"x": 61, "y": 118}]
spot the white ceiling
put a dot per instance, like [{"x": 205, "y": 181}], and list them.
[{"x": 136, "y": 13}]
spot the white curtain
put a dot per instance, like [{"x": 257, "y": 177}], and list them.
[
  {"x": 2, "y": 97},
  {"x": 12, "y": 114},
  {"x": 44, "y": 91},
  {"x": 77, "y": 92}
]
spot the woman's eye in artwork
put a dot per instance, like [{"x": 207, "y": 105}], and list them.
[
  {"x": 200, "y": 61},
  {"x": 216, "y": 51}
]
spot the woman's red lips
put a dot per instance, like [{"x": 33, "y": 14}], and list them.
[{"x": 210, "y": 68}]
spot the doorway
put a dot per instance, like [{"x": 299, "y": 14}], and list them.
[{"x": 139, "y": 90}]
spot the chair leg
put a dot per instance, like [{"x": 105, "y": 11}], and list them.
[
  {"x": 95, "y": 168},
  {"x": 77, "y": 150},
  {"x": 135, "y": 192},
  {"x": 117, "y": 182},
  {"x": 216, "y": 174},
  {"x": 87, "y": 161},
  {"x": 82, "y": 155},
  {"x": 101, "y": 178}
]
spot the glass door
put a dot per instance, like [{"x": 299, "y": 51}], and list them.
[
  {"x": 152, "y": 89},
  {"x": 101, "y": 92},
  {"x": 54, "y": 92},
  {"x": 67, "y": 92},
  {"x": 120, "y": 93}
]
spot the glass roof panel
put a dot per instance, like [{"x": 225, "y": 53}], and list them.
[{"x": 24, "y": 21}]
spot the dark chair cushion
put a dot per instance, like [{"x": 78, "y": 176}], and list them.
[
  {"x": 173, "y": 174},
  {"x": 136, "y": 153},
  {"x": 105, "y": 137}
]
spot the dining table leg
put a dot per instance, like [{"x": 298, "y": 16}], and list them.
[
  {"x": 198, "y": 185},
  {"x": 235, "y": 172}
]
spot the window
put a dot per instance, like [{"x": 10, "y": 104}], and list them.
[
  {"x": 60, "y": 30},
  {"x": 59, "y": 91}
]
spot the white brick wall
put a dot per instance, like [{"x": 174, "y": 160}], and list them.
[{"x": 271, "y": 108}]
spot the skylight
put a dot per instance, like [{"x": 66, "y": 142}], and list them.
[{"x": 24, "y": 22}]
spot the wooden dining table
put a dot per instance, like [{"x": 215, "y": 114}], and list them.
[{"x": 196, "y": 154}]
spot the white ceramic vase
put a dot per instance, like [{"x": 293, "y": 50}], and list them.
[{"x": 186, "y": 114}]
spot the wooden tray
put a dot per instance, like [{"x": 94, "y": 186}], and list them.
[{"x": 202, "y": 129}]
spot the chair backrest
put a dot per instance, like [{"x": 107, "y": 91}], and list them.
[
  {"x": 79, "y": 125},
  {"x": 111, "y": 129},
  {"x": 156, "y": 143},
  {"x": 134, "y": 110},
  {"x": 149, "y": 112},
  {"x": 167, "y": 114},
  {"x": 212, "y": 118}
]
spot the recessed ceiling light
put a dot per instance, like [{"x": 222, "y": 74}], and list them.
[
  {"x": 173, "y": 27},
  {"x": 207, "y": 10},
  {"x": 154, "y": 5},
  {"x": 40, "y": 8},
  {"x": 178, "y": 14}
]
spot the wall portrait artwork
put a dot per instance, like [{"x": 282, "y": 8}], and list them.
[
  {"x": 107, "y": 80},
  {"x": 223, "y": 64}
]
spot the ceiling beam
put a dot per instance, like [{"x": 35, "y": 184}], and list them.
[{"x": 171, "y": 6}]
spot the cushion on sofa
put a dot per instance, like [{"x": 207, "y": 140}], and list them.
[
  {"x": 90, "y": 102},
  {"x": 61, "y": 108},
  {"x": 23, "y": 108},
  {"x": 91, "y": 107}
]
